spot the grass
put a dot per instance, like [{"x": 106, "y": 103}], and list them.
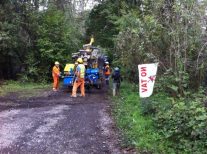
[
  {"x": 137, "y": 129},
  {"x": 24, "y": 89}
]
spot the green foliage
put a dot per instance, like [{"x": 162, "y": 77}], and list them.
[
  {"x": 176, "y": 86},
  {"x": 162, "y": 124},
  {"x": 11, "y": 39},
  {"x": 26, "y": 89},
  {"x": 57, "y": 39},
  {"x": 182, "y": 122},
  {"x": 31, "y": 40},
  {"x": 137, "y": 129},
  {"x": 185, "y": 124},
  {"x": 135, "y": 38},
  {"x": 151, "y": 106},
  {"x": 168, "y": 32},
  {"x": 101, "y": 23}
]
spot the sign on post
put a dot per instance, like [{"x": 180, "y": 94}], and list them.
[{"x": 147, "y": 75}]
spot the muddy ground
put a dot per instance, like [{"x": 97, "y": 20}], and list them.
[{"x": 57, "y": 124}]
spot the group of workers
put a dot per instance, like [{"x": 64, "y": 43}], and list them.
[
  {"x": 78, "y": 82},
  {"x": 79, "y": 77}
]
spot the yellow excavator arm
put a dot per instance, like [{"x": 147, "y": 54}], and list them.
[{"x": 92, "y": 40}]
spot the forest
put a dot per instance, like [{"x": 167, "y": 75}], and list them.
[{"x": 35, "y": 33}]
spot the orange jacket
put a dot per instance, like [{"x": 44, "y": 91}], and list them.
[
  {"x": 55, "y": 71},
  {"x": 107, "y": 70}
]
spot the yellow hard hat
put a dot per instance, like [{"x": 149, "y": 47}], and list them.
[
  {"x": 57, "y": 63},
  {"x": 80, "y": 60}
]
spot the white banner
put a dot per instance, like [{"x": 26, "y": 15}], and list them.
[{"x": 147, "y": 75}]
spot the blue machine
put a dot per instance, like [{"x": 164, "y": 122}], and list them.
[
  {"x": 92, "y": 77},
  {"x": 68, "y": 81},
  {"x": 69, "y": 76}
]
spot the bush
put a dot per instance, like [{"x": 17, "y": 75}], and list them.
[
  {"x": 152, "y": 105},
  {"x": 160, "y": 123},
  {"x": 185, "y": 124},
  {"x": 136, "y": 128}
]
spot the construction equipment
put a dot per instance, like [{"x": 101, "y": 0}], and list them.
[
  {"x": 93, "y": 60},
  {"x": 69, "y": 76},
  {"x": 93, "y": 78}
]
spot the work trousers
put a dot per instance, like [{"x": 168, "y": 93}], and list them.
[
  {"x": 107, "y": 79},
  {"x": 79, "y": 83},
  {"x": 116, "y": 87},
  {"x": 55, "y": 82}
]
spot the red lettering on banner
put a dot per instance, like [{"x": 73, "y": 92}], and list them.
[
  {"x": 143, "y": 71},
  {"x": 144, "y": 85},
  {"x": 144, "y": 90},
  {"x": 142, "y": 81}
]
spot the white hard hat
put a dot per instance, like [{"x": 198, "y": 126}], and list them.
[{"x": 57, "y": 63}]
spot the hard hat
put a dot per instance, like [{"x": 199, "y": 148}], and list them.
[
  {"x": 57, "y": 63},
  {"x": 116, "y": 69},
  {"x": 106, "y": 62},
  {"x": 80, "y": 60}
]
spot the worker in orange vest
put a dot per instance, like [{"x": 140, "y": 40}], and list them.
[
  {"x": 79, "y": 81},
  {"x": 55, "y": 75},
  {"x": 107, "y": 72}
]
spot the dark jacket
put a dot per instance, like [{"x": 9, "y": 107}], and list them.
[{"x": 116, "y": 76}]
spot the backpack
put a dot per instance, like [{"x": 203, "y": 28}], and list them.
[{"x": 116, "y": 75}]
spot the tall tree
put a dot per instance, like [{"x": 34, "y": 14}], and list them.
[{"x": 29, "y": 34}]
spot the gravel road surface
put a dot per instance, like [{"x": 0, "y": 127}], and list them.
[{"x": 54, "y": 123}]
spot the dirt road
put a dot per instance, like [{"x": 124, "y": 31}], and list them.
[{"x": 57, "y": 124}]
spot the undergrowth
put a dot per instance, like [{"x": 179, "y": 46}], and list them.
[
  {"x": 160, "y": 124},
  {"x": 26, "y": 89},
  {"x": 137, "y": 129}
]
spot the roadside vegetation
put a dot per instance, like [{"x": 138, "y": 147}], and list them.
[
  {"x": 137, "y": 130},
  {"x": 24, "y": 90},
  {"x": 33, "y": 35},
  {"x": 161, "y": 124},
  {"x": 132, "y": 32},
  {"x": 172, "y": 33}
]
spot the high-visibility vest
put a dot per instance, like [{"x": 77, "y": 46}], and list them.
[
  {"x": 55, "y": 71},
  {"x": 82, "y": 70},
  {"x": 107, "y": 70}
]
